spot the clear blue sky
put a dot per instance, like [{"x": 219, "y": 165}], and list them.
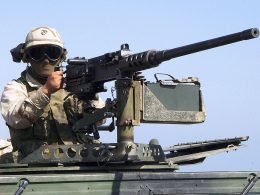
[{"x": 229, "y": 75}]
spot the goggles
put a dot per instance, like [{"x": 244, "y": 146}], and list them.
[{"x": 38, "y": 53}]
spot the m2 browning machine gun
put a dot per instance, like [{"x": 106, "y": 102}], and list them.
[
  {"x": 170, "y": 101},
  {"x": 87, "y": 76}
]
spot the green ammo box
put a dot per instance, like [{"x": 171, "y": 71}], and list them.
[{"x": 173, "y": 102}]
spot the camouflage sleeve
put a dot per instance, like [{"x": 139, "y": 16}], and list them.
[{"x": 19, "y": 109}]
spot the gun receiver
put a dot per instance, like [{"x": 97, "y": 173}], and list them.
[{"x": 87, "y": 76}]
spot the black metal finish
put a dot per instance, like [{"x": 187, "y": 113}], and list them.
[
  {"x": 208, "y": 44},
  {"x": 86, "y": 77}
]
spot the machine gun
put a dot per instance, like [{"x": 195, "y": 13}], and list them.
[
  {"x": 87, "y": 76},
  {"x": 166, "y": 101}
]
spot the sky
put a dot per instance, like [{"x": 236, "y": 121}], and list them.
[{"x": 229, "y": 75}]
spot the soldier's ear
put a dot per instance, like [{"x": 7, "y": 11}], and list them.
[{"x": 18, "y": 52}]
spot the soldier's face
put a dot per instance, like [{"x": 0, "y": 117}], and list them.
[{"x": 43, "y": 68}]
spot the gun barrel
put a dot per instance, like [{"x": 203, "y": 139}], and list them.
[
  {"x": 112, "y": 66},
  {"x": 165, "y": 55}
]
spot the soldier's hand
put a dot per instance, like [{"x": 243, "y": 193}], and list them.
[{"x": 53, "y": 83}]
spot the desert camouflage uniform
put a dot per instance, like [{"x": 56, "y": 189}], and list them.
[
  {"x": 5, "y": 147},
  {"x": 34, "y": 119}
]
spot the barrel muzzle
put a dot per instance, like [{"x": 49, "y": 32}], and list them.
[
  {"x": 250, "y": 33},
  {"x": 255, "y": 32}
]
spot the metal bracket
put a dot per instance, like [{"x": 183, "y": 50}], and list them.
[
  {"x": 252, "y": 179},
  {"x": 23, "y": 183}
]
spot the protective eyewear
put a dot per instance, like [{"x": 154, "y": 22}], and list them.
[{"x": 53, "y": 53}]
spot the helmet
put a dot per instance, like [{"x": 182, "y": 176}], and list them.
[
  {"x": 43, "y": 36},
  {"x": 38, "y": 36}
]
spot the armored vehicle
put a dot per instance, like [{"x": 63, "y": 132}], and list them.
[{"x": 126, "y": 167}]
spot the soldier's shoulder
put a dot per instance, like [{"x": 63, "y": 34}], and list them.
[{"x": 5, "y": 146}]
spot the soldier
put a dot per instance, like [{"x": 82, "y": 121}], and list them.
[{"x": 33, "y": 105}]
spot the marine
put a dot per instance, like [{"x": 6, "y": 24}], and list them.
[{"x": 36, "y": 107}]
